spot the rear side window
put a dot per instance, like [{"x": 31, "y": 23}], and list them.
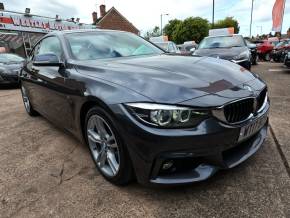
[{"x": 34, "y": 51}]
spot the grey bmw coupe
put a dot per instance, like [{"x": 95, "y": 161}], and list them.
[{"x": 145, "y": 114}]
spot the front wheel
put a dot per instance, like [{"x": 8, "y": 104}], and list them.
[
  {"x": 267, "y": 57},
  {"x": 26, "y": 101},
  {"x": 107, "y": 149},
  {"x": 256, "y": 59}
]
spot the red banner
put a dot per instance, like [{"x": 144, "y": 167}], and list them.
[{"x": 277, "y": 15}]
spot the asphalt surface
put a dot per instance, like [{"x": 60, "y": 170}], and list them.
[{"x": 44, "y": 172}]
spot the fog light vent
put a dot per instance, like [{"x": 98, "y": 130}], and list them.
[{"x": 167, "y": 165}]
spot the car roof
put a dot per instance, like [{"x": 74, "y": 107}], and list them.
[{"x": 224, "y": 35}]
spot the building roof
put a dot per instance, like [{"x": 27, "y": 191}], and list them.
[{"x": 113, "y": 9}]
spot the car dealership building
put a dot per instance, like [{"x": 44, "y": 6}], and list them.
[{"x": 20, "y": 31}]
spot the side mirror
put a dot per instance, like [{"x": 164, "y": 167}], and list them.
[
  {"x": 192, "y": 49},
  {"x": 48, "y": 59}
]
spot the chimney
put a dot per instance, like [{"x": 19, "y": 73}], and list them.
[
  {"x": 102, "y": 10},
  {"x": 95, "y": 17},
  {"x": 2, "y": 6}
]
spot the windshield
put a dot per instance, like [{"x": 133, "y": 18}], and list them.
[
  {"x": 222, "y": 42},
  {"x": 163, "y": 45},
  {"x": 282, "y": 43},
  {"x": 99, "y": 45},
  {"x": 6, "y": 58}
]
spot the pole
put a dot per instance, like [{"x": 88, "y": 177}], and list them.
[
  {"x": 161, "y": 25},
  {"x": 251, "y": 19},
  {"x": 212, "y": 13}
]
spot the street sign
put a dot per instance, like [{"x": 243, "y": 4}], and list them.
[{"x": 222, "y": 31}]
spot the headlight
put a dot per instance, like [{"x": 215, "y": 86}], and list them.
[
  {"x": 167, "y": 116},
  {"x": 4, "y": 70},
  {"x": 243, "y": 55}
]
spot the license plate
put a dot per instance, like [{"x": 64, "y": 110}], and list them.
[{"x": 252, "y": 128}]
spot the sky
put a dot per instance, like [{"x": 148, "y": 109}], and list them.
[{"x": 145, "y": 14}]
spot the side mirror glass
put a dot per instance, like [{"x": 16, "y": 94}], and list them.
[{"x": 48, "y": 59}]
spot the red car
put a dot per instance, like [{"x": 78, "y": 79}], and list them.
[{"x": 264, "y": 49}]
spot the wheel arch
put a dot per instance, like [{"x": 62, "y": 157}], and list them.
[{"x": 86, "y": 106}]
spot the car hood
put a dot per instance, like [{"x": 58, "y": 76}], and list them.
[
  {"x": 168, "y": 78},
  {"x": 223, "y": 53}
]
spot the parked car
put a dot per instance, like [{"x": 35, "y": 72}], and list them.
[
  {"x": 278, "y": 53},
  {"x": 254, "y": 52},
  {"x": 287, "y": 58},
  {"x": 163, "y": 118},
  {"x": 265, "y": 48},
  {"x": 187, "y": 48},
  {"x": 229, "y": 47},
  {"x": 10, "y": 66},
  {"x": 168, "y": 46}
]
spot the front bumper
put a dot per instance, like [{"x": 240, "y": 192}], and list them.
[
  {"x": 9, "y": 79},
  {"x": 197, "y": 153},
  {"x": 244, "y": 63}
]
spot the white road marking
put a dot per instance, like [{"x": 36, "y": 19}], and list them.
[{"x": 278, "y": 70}]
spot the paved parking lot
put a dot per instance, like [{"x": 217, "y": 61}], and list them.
[{"x": 44, "y": 172}]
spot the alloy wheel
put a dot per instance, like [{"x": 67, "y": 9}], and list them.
[{"x": 103, "y": 145}]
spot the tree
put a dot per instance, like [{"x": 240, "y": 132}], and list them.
[
  {"x": 192, "y": 28},
  {"x": 228, "y": 22},
  {"x": 152, "y": 33},
  {"x": 171, "y": 27}
]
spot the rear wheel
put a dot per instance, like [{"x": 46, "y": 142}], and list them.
[
  {"x": 106, "y": 147},
  {"x": 27, "y": 104}
]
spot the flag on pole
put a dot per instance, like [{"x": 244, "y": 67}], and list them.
[{"x": 277, "y": 15}]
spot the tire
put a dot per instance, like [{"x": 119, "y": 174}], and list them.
[
  {"x": 255, "y": 60},
  {"x": 110, "y": 155},
  {"x": 27, "y": 104},
  {"x": 267, "y": 57}
]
